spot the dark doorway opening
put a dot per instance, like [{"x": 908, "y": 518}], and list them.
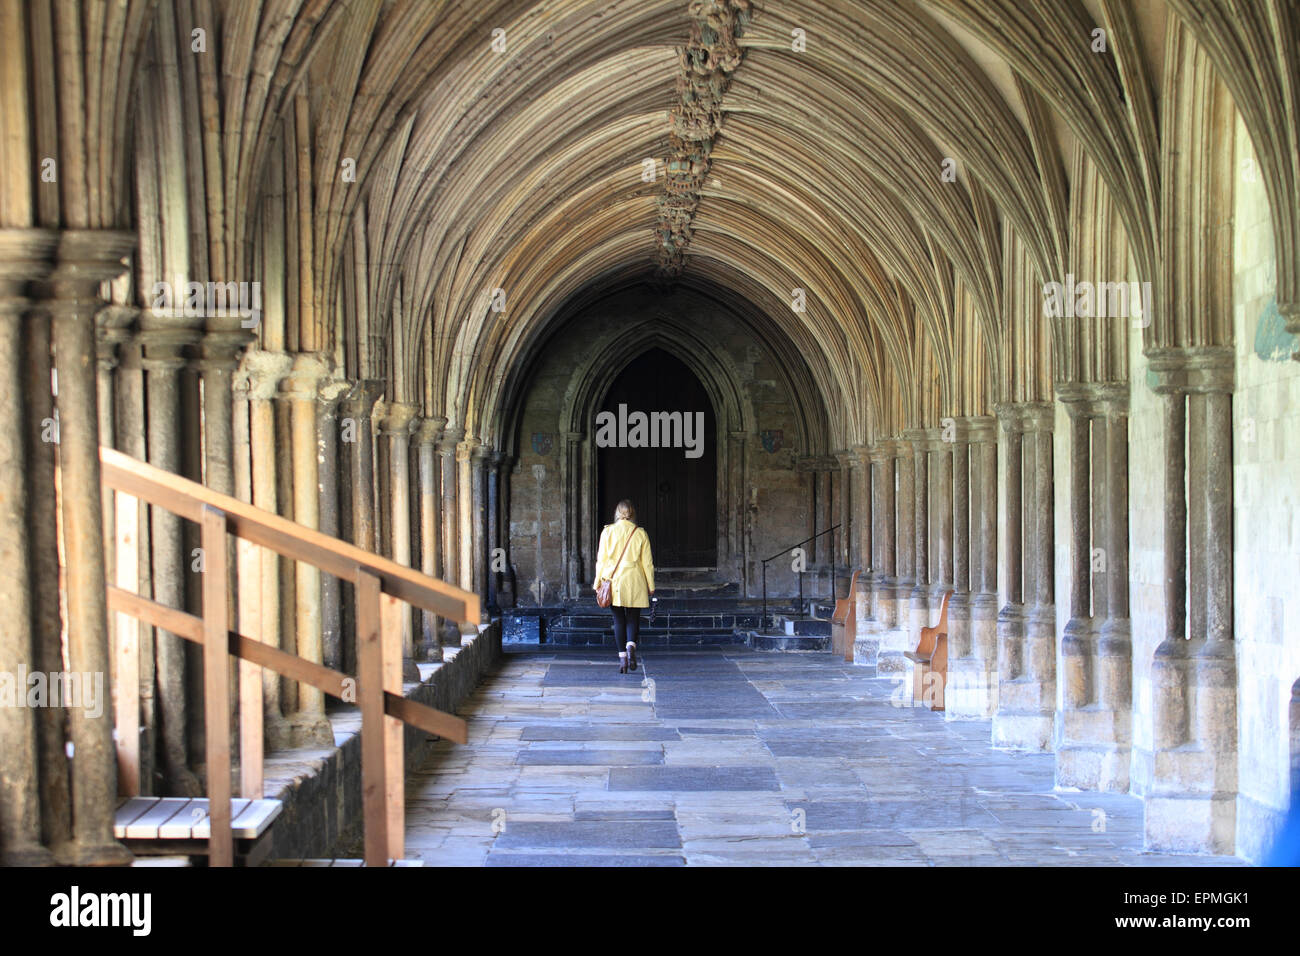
[{"x": 675, "y": 496}]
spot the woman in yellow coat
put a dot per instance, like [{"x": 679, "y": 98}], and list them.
[{"x": 632, "y": 584}]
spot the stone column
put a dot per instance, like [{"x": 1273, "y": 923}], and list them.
[
  {"x": 479, "y": 464},
  {"x": 919, "y": 599},
  {"x": 883, "y": 558},
  {"x": 257, "y": 384},
  {"x": 1192, "y": 800},
  {"x": 327, "y": 489},
  {"x": 941, "y": 517},
  {"x": 962, "y": 689},
  {"x": 25, "y": 255},
  {"x": 302, "y": 389},
  {"x": 509, "y": 586},
  {"x": 356, "y": 433},
  {"x": 467, "y": 564},
  {"x": 572, "y": 504},
  {"x": 1115, "y": 640},
  {"x": 494, "y": 552},
  {"x": 1075, "y": 760},
  {"x": 897, "y": 638},
  {"x": 848, "y": 492},
  {"x": 165, "y": 347},
  {"x": 426, "y": 438},
  {"x": 738, "y": 512},
  {"x": 1027, "y": 636},
  {"x": 40, "y": 423},
  {"x": 451, "y": 438},
  {"x": 1093, "y": 752},
  {"x": 395, "y": 433},
  {"x": 982, "y": 665},
  {"x": 85, "y": 258}
]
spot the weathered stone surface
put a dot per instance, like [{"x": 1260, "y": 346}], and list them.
[{"x": 884, "y": 786}]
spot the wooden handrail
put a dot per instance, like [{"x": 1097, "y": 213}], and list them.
[
  {"x": 189, "y": 498},
  {"x": 381, "y": 586},
  {"x": 325, "y": 679}
]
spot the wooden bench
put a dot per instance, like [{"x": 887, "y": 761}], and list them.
[
  {"x": 931, "y": 660},
  {"x": 171, "y": 826},
  {"x": 844, "y": 629}
]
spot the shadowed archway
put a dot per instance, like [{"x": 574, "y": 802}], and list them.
[{"x": 670, "y": 472}]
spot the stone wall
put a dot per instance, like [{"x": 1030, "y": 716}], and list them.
[
  {"x": 321, "y": 789},
  {"x": 1266, "y": 499}
]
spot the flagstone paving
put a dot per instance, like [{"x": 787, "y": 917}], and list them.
[{"x": 726, "y": 756}]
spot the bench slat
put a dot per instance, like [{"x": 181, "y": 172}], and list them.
[
  {"x": 255, "y": 818},
  {"x": 181, "y": 825},
  {"x": 203, "y": 829},
  {"x": 130, "y": 811},
  {"x": 164, "y": 809}
]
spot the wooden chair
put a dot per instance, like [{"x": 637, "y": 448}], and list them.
[
  {"x": 844, "y": 622},
  {"x": 931, "y": 660}
]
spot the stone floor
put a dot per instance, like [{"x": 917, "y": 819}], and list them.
[{"x": 726, "y": 756}]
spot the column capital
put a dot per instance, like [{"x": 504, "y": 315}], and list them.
[
  {"x": 465, "y": 449},
  {"x": 864, "y": 455},
  {"x": 1204, "y": 368},
  {"x": 331, "y": 394},
  {"x": 574, "y": 436},
  {"x": 86, "y": 257},
  {"x": 360, "y": 400},
  {"x": 887, "y": 448},
  {"x": 429, "y": 429},
  {"x": 303, "y": 382},
  {"x": 975, "y": 428},
  {"x": 26, "y": 255},
  {"x": 220, "y": 350},
  {"x": 482, "y": 452},
  {"x": 395, "y": 419},
  {"x": 847, "y": 459},
  {"x": 816, "y": 463},
  {"x": 451, "y": 438},
  {"x": 1025, "y": 416},
  {"x": 164, "y": 348},
  {"x": 113, "y": 328},
  {"x": 259, "y": 374}
]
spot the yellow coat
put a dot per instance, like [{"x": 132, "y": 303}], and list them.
[{"x": 636, "y": 573}]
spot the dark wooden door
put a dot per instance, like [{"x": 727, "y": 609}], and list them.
[{"x": 675, "y": 496}]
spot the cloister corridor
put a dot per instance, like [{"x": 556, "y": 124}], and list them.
[{"x": 935, "y": 365}]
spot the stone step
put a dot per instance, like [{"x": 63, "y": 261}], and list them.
[
  {"x": 781, "y": 641},
  {"x": 593, "y": 637}
]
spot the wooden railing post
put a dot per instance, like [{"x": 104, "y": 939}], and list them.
[
  {"x": 126, "y": 648},
  {"x": 370, "y": 700},
  {"x": 251, "y": 777},
  {"x": 394, "y": 617},
  {"x": 216, "y": 687}
]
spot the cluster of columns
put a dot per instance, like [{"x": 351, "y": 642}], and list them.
[
  {"x": 1191, "y": 803},
  {"x": 58, "y": 780},
  {"x": 1094, "y": 734},
  {"x": 283, "y": 431}
]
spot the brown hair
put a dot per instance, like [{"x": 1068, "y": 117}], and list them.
[{"x": 625, "y": 510}]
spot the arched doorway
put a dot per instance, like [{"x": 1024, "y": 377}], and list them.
[{"x": 674, "y": 486}]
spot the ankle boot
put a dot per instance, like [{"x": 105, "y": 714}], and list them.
[
  {"x": 622, "y": 662},
  {"x": 631, "y": 656}
]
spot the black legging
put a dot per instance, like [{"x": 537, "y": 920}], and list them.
[{"x": 627, "y": 622}]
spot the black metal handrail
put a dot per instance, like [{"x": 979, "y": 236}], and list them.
[{"x": 784, "y": 551}]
